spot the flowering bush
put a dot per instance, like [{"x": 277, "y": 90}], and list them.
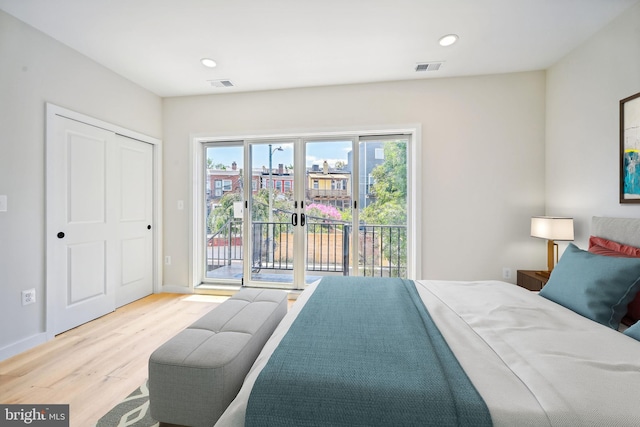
[{"x": 323, "y": 211}]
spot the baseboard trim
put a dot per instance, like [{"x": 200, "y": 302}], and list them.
[
  {"x": 22, "y": 345},
  {"x": 175, "y": 289}
]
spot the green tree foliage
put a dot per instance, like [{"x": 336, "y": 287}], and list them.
[
  {"x": 390, "y": 187},
  {"x": 221, "y": 214},
  {"x": 218, "y": 166},
  {"x": 390, "y": 205}
]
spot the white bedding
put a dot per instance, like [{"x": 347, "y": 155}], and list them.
[{"x": 534, "y": 362}]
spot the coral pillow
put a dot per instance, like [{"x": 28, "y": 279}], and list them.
[{"x": 601, "y": 246}]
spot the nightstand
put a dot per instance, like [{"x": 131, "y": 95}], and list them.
[{"x": 530, "y": 279}]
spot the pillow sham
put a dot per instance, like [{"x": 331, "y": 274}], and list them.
[
  {"x": 633, "y": 331},
  {"x": 597, "y": 287},
  {"x": 602, "y": 246}
]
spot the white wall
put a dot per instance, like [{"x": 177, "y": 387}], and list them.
[
  {"x": 484, "y": 168},
  {"x": 482, "y": 165},
  {"x": 35, "y": 69},
  {"x": 582, "y": 143}
]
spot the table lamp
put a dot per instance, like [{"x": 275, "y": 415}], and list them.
[{"x": 551, "y": 228}]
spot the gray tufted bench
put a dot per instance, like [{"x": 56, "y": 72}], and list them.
[{"x": 195, "y": 375}]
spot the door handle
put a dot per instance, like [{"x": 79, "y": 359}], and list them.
[
  {"x": 60, "y": 235},
  {"x": 149, "y": 227},
  {"x": 294, "y": 219},
  {"x": 302, "y": 219}
]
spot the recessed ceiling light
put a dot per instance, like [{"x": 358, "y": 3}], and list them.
[
  {"x": 208, "y": 62},
  {"x": 448, "y": 40}
]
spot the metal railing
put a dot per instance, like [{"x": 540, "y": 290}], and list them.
[
  {"x": 225, "y": 245},
  {"x": 382, "y": 248}
]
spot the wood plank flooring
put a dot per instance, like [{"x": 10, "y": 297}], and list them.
[{"x": 96, "y": 365}]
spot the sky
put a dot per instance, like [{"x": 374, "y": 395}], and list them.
[{"x": 316, "y": 153}]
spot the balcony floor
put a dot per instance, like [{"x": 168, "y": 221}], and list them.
[{"x": 234, "y": 272}]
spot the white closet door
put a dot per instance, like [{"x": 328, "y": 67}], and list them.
[
  {"x": 99, "y": 219},
  {"x": 80, "y": 223},
  {"x": 135, "y": 182}
]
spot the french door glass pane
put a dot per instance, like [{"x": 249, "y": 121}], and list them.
[
  {"x": 223, "y": 193},
  {"x": 382, "y": 231},
  {"x": 335, "y": 239},
  {"x": 272, "y": 207},
  {"x": 328, "y": 201}
]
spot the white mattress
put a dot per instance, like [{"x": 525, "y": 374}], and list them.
[{"x": 534, "y": 362}]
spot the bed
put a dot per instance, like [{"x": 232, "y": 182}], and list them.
[{"x": 552, "y": 358}]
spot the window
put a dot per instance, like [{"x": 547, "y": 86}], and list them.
[{"x": 378, "y": 245}]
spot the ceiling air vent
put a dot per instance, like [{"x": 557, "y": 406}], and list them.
[
  {"x": 221, "y": 83},
  {"x": 429, "y": 66}
]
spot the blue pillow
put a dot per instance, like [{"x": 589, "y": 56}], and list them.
[
  {"x": 596, "y": 286},
  {"x": 633, "y": 331}
]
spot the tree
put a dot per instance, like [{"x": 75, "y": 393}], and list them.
[
  {"x": 218, "y": 166},
  {"x": 223, "y": 213},
  {"x": 390, "y": 204},
  {"x": 390, "y": 187}
]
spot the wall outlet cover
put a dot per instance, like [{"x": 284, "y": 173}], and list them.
[{"x": 28, "y": 296}]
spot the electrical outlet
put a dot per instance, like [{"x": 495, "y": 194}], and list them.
[
  {"x": 506, "y": 273},
  {"x": 28, "y": 296},
  {"x": 167, "y": 260}
]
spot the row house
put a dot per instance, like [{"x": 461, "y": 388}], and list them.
[{"x": 323, "y": 184}]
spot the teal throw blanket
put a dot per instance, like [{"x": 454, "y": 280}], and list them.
[{"x": 364, "y": 352}]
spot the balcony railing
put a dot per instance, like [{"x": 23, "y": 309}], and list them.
[
  {"x": 382, "y": 248},
  {"x": 313, "y": 194}
]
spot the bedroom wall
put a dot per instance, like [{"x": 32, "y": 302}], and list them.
[
  {"x": 482, "y": 161},
  {"x": 582, "y": 143},
  {"x": 36, "y": 69}
]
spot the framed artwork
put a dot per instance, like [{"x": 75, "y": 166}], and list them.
[{"x": 630, "y": 149}]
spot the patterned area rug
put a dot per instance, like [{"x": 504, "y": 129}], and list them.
[{"x": 133, "y": 411}]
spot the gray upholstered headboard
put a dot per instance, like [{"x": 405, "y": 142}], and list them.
[{"x": 621, "y": 230}]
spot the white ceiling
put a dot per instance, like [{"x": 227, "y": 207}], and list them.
[{"x": 273, "y": 44}]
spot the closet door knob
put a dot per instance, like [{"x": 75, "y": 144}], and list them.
[
  {"x": 149, "y": 227},
  {"x": 60, "y": 235}
]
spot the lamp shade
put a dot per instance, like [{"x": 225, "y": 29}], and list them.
[{"x": 552, "y": 227}]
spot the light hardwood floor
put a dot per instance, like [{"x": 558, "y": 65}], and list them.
[{"x": 96, "y": 365}]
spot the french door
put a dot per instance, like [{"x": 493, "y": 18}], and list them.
[
  {"x": 274, "y": 215},
  {"x": 304, "y": 208}
]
